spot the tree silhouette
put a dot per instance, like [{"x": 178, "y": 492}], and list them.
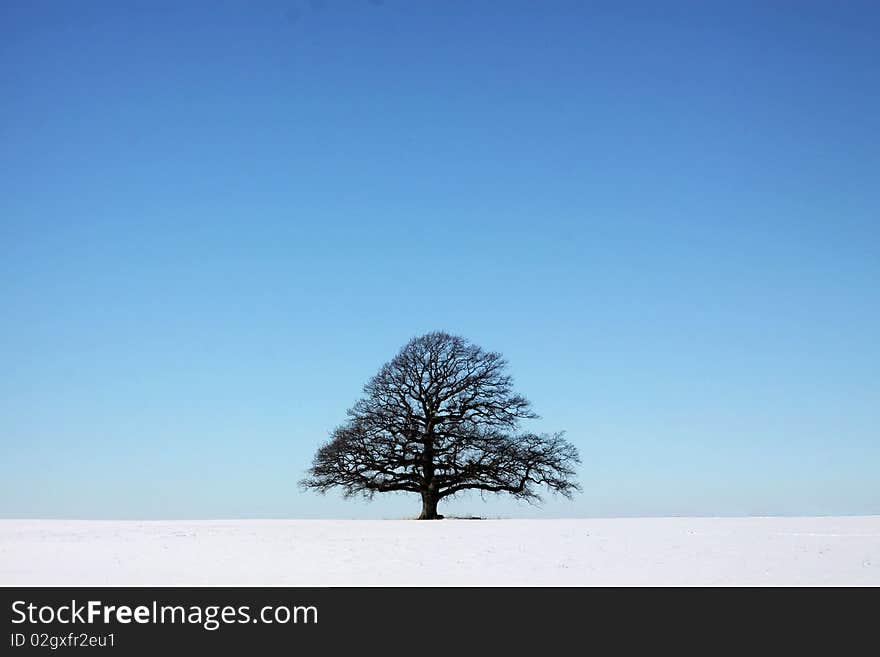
[{"x": 439, "y": 419}]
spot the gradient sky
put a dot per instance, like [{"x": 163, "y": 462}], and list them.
[{"x": 218, "y": 219}]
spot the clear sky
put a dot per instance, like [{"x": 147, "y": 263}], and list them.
[{"x": 218, "y": 219}]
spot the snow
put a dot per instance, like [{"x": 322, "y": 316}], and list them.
[{"x": 572, "y": 552}]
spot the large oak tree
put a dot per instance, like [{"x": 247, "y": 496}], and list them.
[{"x": 439, "y": 419}]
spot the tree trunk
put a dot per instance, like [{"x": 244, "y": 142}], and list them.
[{"x": 429, "y": 506}]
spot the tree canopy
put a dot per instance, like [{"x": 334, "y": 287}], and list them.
[{"x": 441, "y": 418}]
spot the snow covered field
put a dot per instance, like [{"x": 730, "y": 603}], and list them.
[{"x": 646, "y": 551}]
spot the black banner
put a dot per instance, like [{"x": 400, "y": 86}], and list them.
[{"x": 148, "y": 621}]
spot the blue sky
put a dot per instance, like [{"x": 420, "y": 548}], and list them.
[{"x": 217, "y": 220}]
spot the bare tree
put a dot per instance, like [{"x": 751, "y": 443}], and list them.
[{"x": 439, "y": 419}]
